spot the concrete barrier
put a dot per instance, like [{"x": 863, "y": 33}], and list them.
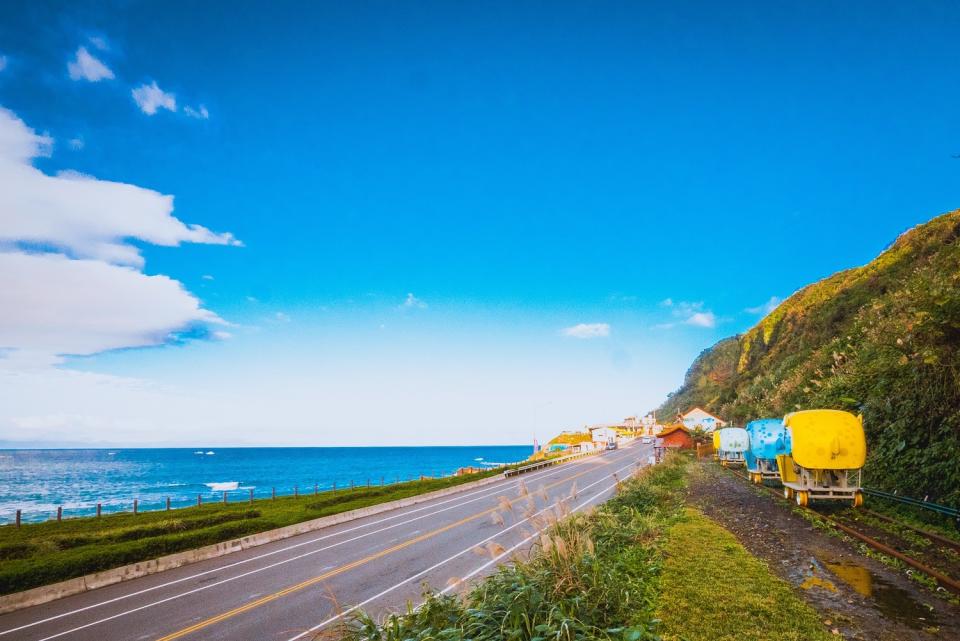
[{"x": 54, "y": 591}]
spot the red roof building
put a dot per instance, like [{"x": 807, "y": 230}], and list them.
[{"x": 675, "y": 436}]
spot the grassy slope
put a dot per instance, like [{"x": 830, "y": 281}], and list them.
[
  {"x": 712, "y": 589},
  {"x": 882, "y": 339},
  {"x": 610, "y": 575},
  {"x": 41, "y": 553}
]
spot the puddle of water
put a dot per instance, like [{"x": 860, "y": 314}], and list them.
[
  {"x": 815, "y": 581},
  {"x": 895, "y": 603}
]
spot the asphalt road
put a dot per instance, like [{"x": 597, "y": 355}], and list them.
[{"x": 296, "y": 588}]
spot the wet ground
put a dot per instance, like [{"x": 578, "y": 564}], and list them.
[{"x": 857, "y": 597}]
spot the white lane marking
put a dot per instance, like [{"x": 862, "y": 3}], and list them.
[
  {"x": 488, "y": 490},
  {"x": 461, "y": 553},
  {"x": 527, "y": 540},
  {"x": 266, "y": 567}
]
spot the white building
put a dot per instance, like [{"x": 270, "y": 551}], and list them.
[
  {"x": 603, "y": 435},
  {"x": 698, "y": 418}
]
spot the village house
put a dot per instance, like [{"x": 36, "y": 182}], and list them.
[
  {"x": 649, "y": 425},
  {"x": 676, "y": 436},
  {"x": 698, "y": 418},
  {"x": 603, "y": 435}
]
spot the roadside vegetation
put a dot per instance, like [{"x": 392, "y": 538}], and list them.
[
  {"x": 634, "y": 569},
  {"x": 42, "y": 553}
]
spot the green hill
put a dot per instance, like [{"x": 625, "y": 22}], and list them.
[{"x": 882, "y": 340}]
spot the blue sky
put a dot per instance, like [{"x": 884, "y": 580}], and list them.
[{"x": 518, "y": 170}]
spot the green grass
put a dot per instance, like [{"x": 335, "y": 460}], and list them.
[
  {"x": 713, "y": 589},
  {"x": 41, "y": 553},
  {"x": 915, "y": 516}
]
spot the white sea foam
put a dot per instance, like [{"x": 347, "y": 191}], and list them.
[
  {"x": 226, "y": 486},
  {"x": 199, "y": 452},
  {"x": 211, "y": 453}
]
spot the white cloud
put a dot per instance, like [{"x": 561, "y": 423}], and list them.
[
  {"x": 221, "y": 335},
  {"x": 207, "y": 277},
  {"x": 86, "y": 67},
  {"x": 3, "y": 63},
  {"x": 702, "y": 319},
  {"x": 587, "y": 330},
  {"x": 99, "y": 42},
  {"x": 766, "y": 307},
  {"x": 55, "y": 305},
  {"x": 76, "y": 143},
  {"x": 282, "y": 317},
  {"x": 688, "y": 313},
  {"x": 412, "y": 302},
  {"x": 201, "y": 113},
  {"x": 253, "y": 299},
  {"x": 87, "y": 297},
  {"x": 83, "y": 216},
  {"x": 151, "y": 97}
]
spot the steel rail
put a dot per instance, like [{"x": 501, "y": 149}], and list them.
[
  {"x": 930, "y": 535},
  {"x": 947, "y": 582}
]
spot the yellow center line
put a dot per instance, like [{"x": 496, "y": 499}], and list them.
[{"x": 343, "y": 568}]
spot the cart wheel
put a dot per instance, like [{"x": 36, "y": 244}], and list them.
[
  {"x": 858, "y": 499},
  {"x": 803, "y": 498},
  {"x": 787, "y": 493}
]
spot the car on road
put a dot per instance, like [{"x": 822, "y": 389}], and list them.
[
  {"x": 611, "y": 445},
  {"x": 647, "y": 440}
]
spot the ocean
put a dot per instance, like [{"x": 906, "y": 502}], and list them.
[{"x": 38, "y": 481}]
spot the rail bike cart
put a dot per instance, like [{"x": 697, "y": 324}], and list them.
[
  {"x": 733, "y": 442},
  {"x": 768, "y": 439},
  {"x": 828, "y": 450},
  {"x": 716, "y": 445}
]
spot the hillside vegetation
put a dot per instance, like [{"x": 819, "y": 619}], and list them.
[{"x": 882, "y": 340}]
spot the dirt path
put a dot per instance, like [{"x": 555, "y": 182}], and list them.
[{"x": 857, "y": 596}]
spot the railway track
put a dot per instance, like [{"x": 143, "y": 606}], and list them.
[
  {"x": 856, "y": 530},
  {"x": 941, "y": 540}
]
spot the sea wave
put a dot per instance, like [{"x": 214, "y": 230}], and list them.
[{"x": 225, "y": 486}]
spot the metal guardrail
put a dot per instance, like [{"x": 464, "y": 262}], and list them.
[
  {"x": 547, "y": 463},
  {"x": 907, "y": 500}
]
